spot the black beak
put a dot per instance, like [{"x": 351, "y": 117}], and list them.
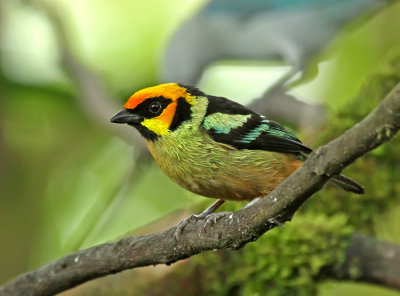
[{"x": 125, "y": 116}]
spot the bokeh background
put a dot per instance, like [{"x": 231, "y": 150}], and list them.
[{"x": 70, "y": 180}]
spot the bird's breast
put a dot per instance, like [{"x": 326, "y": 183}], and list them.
[{"x": 207, "y": 168}]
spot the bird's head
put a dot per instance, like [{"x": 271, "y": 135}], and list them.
[{"x": 158, "y": 110}]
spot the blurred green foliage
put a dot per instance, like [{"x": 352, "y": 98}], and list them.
[
  {"x": 286, "y": 261},
  {"x": 290, "y": 260},
  {"x": 66, "y": 183},
  {"x": 64, "y": 178},
  {"x": 383, "y": 189}
]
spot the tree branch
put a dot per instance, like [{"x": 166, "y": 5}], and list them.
[
  {"x": 232, "y": 231},
  {"x": 370, "y": 260},
  {"x": 367, "y": 259}
]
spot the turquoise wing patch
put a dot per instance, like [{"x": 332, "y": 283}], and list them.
[
  {"x": 252, "y": 132},
  {"x": 268, "y": 127},
  {"x": 222, "y": 123},
  {"x": 230, "y": 123}
]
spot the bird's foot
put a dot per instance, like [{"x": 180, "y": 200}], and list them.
[
  {"x": 184, "y": 223},
  {"x": 209, "y": 219},
  {"x": 202, "y": 216}
]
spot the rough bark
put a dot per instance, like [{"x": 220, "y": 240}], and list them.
[{"x": 232, "y": 231}]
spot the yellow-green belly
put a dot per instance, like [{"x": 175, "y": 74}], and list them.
[{"x": 219, "y": 171}]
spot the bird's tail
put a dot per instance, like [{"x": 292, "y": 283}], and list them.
[{"x": 347, "y": 184}]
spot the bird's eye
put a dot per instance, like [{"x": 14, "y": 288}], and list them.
[{"x": 155, "y": 107}]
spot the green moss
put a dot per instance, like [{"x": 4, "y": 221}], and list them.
[
  {"x": 286, "y": 261},
  {"x": 377, "y": 170}
]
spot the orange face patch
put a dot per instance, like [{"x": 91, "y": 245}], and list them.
[
  {"x": 168, "y": 114},
  {"x": 160, "y": 125},
  {"x": 169, "y": 91}
]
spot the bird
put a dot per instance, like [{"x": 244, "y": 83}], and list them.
[{"x": 215, "y": 147}]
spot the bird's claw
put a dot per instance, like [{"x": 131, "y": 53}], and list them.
[
  {"x": 209, "y": 220},
  {"x": 213, "y": 218},
  {"x": 184, "y": 223}
]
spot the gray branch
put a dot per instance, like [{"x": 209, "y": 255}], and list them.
[
  {"x": 370, "y": 260},
  {"x": 233, "y": 231}
]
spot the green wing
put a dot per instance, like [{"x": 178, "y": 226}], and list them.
[{"x": 233, "y": 124}]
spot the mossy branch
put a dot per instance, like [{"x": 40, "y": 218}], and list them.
[{"x": 232, "y": 231}]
